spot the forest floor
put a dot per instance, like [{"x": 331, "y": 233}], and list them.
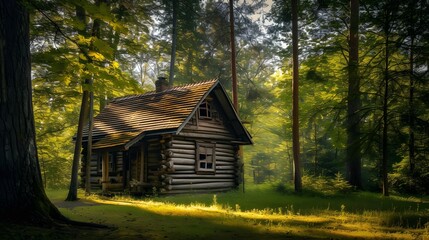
[{"x": 260, "y": 213}]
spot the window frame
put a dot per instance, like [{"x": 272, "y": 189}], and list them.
[
  {"x": 207, "y": 107},
  {"x": 112, "y": 162},
  {"x": 204, "y": 170}
]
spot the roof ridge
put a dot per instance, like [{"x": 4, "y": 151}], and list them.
[{"x": 186, "y": 85}]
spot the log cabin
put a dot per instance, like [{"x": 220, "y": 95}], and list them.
[{"x": 183, "y": 139}]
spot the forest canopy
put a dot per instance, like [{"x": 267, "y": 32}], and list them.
[{"x": 123, "y": 46}]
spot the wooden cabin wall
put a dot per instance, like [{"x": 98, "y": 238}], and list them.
[
  {"x": 96, "y": 173},
  {"x": 135, "y": 162},
  {"x": 154, "y": 159},
  {"x": 180, "y": 176},
  {"x": 179, "y": 164},
  {"x": 216, "y": 128}
]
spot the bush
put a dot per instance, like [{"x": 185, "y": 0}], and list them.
[{"x": 319, "y": 185}]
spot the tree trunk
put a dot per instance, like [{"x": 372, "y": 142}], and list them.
[
  {"x": 72, "y": 195},
  {"x": 353, "y": 154},
  {"x": 316, "y": 152},
  {"x": 22, "y": 197},
  {"x": 233, "y": 56},
  {"x": 89, "y": 145},
  {"x": 385, "y": 155},
  {"x": 174, "y": 42},
  {"x": 295, "y": 99},
  {"x": 411, "y": 140}
]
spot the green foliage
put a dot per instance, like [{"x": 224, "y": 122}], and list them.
[
  {"x": 60, "y": 65},
  {"x": 404, "y": 182},
  {"x": 319, "y": 185},
  {"x": 131, "y": 47}
]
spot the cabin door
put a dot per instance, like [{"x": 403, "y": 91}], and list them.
[{"x": 137, "y": 168}]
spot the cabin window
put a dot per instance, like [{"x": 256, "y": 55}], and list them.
[
  {"x": 205, "y": 110},
  {"x": 205, "y": 158},
  {"x": 112, "y": 162}
]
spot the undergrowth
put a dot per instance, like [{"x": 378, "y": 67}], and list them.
[{"x": 318, "y": 185}]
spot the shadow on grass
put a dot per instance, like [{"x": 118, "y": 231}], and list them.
[
  {"x": 134, "y": 222},
  {"x": 154, "y": 222}
]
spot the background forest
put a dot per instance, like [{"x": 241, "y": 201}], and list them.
[{"x": 124, "y": 45}]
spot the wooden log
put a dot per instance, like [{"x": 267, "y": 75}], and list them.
[
  {"x": 200, "y": 186},
  {"x": 226, "y": 154},
  {"x": 225, "y": 146},
  {"x": 214, "y": 129},
  {"x": 167, "y": 180},
  {"x": 206, "y": 135},
  {"x": 207, "y": 128},
  {"x": 175, "y": 181},
  {"x": 226, "y": 159},
  {"x": 186, "y": 142},
  {"x": 180, "y": 175},
  {"x": 165, "y": 191},
  {"x": 226, "y": 171},
  {"x": 95, "y": 179},
  {"x": 181, "y": 146},
  {"x": 168, "y": 164},
  {"x": 182, "y": 151},
  {"x": 204, "y": 122},
  {"x": 223, "y": 163},
  {"x": 182, "y": 161},
  {"x": 167, "y": 153},
  {"x": 181, "y": 155},
  {"x": 183, "y": 171},
  {"x": 225, "y": 167},
  {"x": 183, "y": 167}
]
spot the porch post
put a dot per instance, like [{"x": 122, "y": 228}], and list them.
[{"x": 105, "y": 171}]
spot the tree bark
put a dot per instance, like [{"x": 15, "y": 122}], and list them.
[
  {"x": 174, "y": 42},
  {"x": 22, "y": 197},
  {"x": 411, "y": 138},
  {"x": 83, "y": 115},
  {"x": 89, "y": 145},
  {"x": 353, "y": 154},
  {"x": 295, "y": 99},
  {"x": 72, "y": 194},
  {"x": 316, "y": 152},
  {"x": 233, "y": 56},
  {"x": 385, "y": 154}
]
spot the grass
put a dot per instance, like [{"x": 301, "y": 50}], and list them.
[{"x": 260, "y": 213}]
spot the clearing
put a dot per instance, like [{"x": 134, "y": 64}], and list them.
[{"x": 260, "y": 213}]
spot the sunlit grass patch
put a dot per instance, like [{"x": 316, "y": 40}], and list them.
[
  {"x": 275, "y": 220},
  {"x": 260, "y": 213}
]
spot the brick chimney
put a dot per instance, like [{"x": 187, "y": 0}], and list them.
[{"x": 161, "y": 84}]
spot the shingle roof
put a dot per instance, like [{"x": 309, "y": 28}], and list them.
[{"x": 127, "y": 118}]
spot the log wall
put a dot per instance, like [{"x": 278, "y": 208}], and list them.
[
  {"x": 170, "y": 161},
  {"x": 115, "y": 177},
  {"x": 178, "y": 173},
  {"x": 154, "y": 158}
]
